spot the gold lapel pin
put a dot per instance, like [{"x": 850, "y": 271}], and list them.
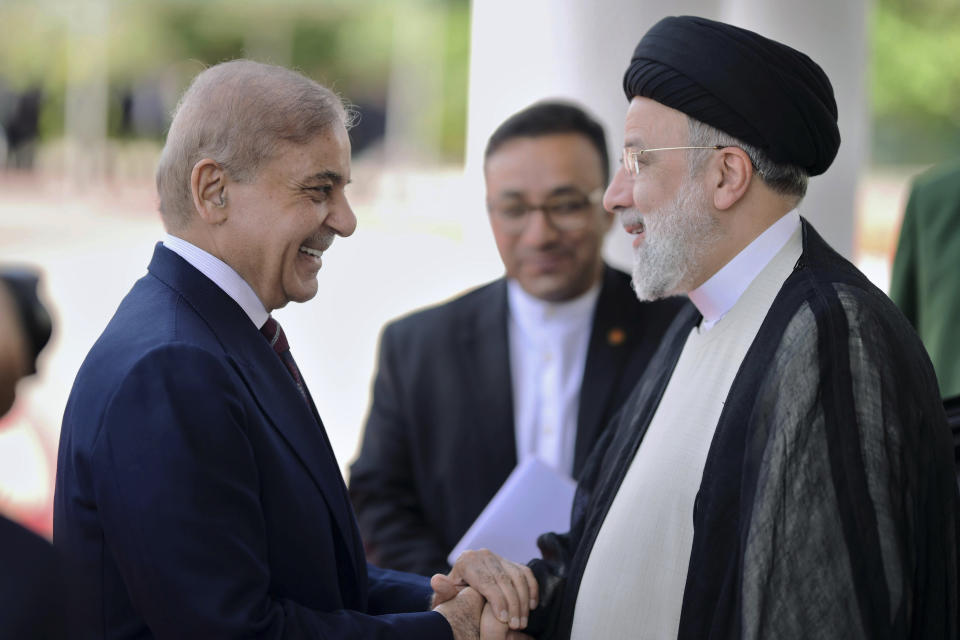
[{"x": 616, "y": 336}]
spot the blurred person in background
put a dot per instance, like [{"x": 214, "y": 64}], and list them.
[
  {"x": 925, "y": 282},
  {"x": 31, "y": 581},
  {"x": 20, "y": 126},
  {"x": 197, "y": 494},
  {"x": 533, "y": 364}
]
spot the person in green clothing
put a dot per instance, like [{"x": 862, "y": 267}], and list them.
[{"x": 926, "y": 271}]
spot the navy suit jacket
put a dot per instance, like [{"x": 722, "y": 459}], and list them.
[
  {"x": 197, "y": 495},
  {"x": 32, "y": 589},
  {"x": 439, "y": 440}
]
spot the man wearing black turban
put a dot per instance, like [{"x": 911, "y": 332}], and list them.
[{"x": 783, "y": 469}]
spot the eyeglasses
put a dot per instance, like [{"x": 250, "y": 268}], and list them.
[
  {"x": 631, "y": 157},
  {"x": 566, "y": 212}
]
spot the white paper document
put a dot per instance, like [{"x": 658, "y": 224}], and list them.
[{"x": 535, "y": 499}]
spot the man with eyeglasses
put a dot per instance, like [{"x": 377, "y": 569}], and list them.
[
  {"x": 533, "y": 364},
  {"x": 783, "y": 469}
]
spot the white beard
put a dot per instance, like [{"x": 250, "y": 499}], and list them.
[{"x": 676, "y": 237}]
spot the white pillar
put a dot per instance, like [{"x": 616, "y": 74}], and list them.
[
  {"x": 525, "y": 51},
  {"x": 85, "y": 117},
  {"x": 841, "y": 50},
  {"x": 415, "y": 91}
]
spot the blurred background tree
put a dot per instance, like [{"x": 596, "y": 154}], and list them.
[
  {"x": 154, "y": 47},
  {"x": 915, "y": 71}
]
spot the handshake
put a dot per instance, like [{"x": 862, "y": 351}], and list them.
[{"x": 485, "y": 596}]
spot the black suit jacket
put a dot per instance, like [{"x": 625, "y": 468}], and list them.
[
  {"x": 439, "y": 439},
  {"x": 32, "y": 590}
]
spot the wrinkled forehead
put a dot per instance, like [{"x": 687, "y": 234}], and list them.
[
  {"x": 651, "y": 124},
  {"x": 324, "y": 158}
]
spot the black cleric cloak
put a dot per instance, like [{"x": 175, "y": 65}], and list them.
[{"x": 828, "y": 505}]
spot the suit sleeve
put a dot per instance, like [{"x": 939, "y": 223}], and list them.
[
  {"x": 177, "y": 487},
  {"x": 395, "y": 530},
  {"x": 904, "y": 278},
  {"x": 33, "y": 591},
  {"x": 396, "y": 591}
]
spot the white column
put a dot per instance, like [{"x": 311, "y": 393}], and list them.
[
  {"x": 523, "y": 51},
  {"x": 834, "y": 34},
  {"x": 85, "y": 117},
  {"x": 415, "y": 91}
]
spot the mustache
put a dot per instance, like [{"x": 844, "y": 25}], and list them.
[
  {"x": 631, "y": 217},
  {"x": 551, "y": 250},
  {"x": 321, "y": 240}
]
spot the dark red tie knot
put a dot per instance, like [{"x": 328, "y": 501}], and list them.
[{"x": 273, "y": 332}]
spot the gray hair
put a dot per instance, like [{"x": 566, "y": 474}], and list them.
[
  {"x": 238, "y": 114},
  {"x": 785, "y": 179}
]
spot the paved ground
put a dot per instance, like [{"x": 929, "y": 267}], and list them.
[{"x": 421, "y": 238}]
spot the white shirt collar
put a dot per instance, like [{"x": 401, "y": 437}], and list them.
[
  {"x": 222, "y": 275},
  {"x": 715, "y": 297},
  {"x": 533, "y": 315}
]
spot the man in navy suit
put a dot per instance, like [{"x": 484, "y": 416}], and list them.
[
  {"x": 533, "y": 364},
  {"x": 197, "y": 495}
]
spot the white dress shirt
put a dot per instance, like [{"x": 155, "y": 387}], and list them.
[
  {"x": 548, "y": 353},
  {"x": 715, "y": 297},
  {"x": 222, "y": 275}
]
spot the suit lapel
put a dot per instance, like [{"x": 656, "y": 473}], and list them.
[
  {"x": 299, "y": 424},
  {"x": 270, "y": 385},
  {"x": 610, "y": 340},
  {"x": 486, "y": 349}
]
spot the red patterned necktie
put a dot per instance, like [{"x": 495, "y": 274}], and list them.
[{"x": 273, "y": 332}]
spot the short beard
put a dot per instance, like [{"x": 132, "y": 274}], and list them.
[{"x": 676, "y": 238}]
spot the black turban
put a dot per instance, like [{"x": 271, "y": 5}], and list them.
[{"x": 753, "y": 88}]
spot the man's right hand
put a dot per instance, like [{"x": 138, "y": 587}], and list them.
[
  {"x": 493, "y": 629},
  {"x": 463, "y": 613},
  {"x": 510, "y": 588}
]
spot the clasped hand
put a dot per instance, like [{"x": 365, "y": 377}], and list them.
[{"x": 485, "y": 596}]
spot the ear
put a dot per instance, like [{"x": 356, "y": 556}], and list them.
[
  {"x": 208, "y": 186},
  {"x": 735, "y": 174}
]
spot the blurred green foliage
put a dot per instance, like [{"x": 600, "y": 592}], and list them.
[
  {"x": 345, "y": 44},
  {"x": 349, "y": 45},
  {"x": 915, "y": 81}
]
